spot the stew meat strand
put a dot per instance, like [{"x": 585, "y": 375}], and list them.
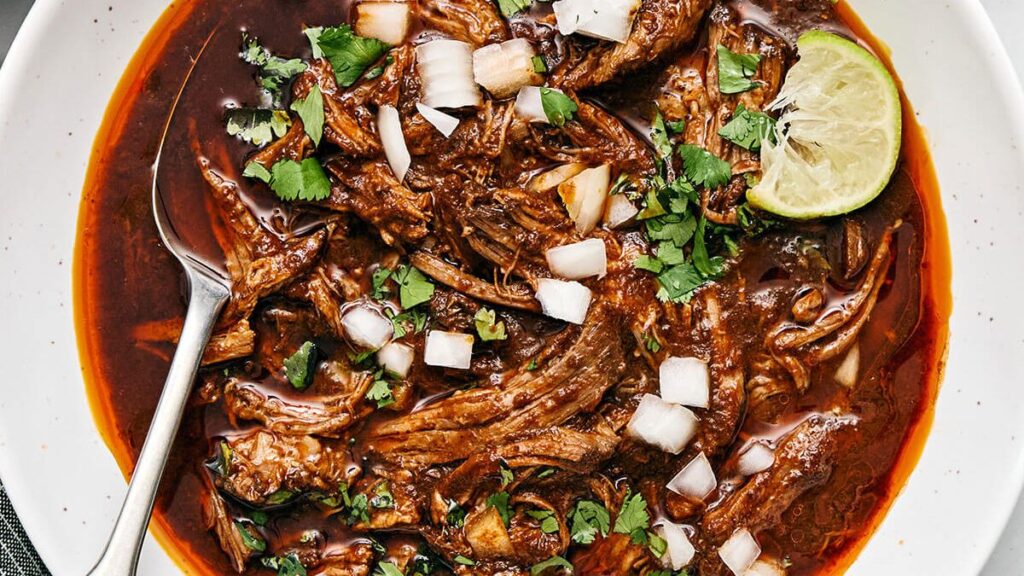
[{"x": 523, "y": 460}]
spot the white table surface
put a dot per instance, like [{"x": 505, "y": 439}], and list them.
[{"x": 1008, "y": 17}]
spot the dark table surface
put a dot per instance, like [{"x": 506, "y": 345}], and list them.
[{"x": 12, "y": 12}]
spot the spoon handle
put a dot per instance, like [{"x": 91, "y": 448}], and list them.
[{"x": 121, "y": 555}]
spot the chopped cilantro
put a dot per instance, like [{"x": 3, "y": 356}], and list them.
[
  {"x": 679, "y": 283},
  {"x": 736, "y": 71},
  {"x": 548, "y": 522},
  {"x": 380, "y": 392},
  {"x": 289, "y": 565},
  {"x": 350, "y": 55},
  {"x": 651, "y": 343},
  {"x": 540, "y": 66},
  {"x": 500, "y": 502},
  {"x": 413, "y": 287},
  {"x": 708, "y": 267},
  {"x": 488, "y": 326},
  {"x": 256, "y": 126},
  {"x": 300, "y": 367},
  {"x": 358, "y": 510},
  {"x": 382, "y": 497},
  {"x": 704, "y": 168},
  {"x": 313, "y": 34},
  {"x": 748, "y": 129},
  {"x": 275, "y": 71},
  {"x": 506, "y": 476},
  {"x": 258, "y": 517},
  {"x": 558, "y": 107},
  {"x": 280, "y": 497},
  {"x": 257, "y": 171},
  {"x": 652, "y": 265},
  {"x": 659, "y": 135},
  {"x": 633, "y": 518},
  {"x": 379, "y": 70},
  {"x": 307, "y": 181},
  {"x": 387, "y": 569},
  {"x": 545, "y": 473},
  {"x": 553, "y": 562},
  {"x": 456, "y": 516},
  {"x": 512, "y": 7},
  {"x": 589, "y": 519},
  {"x": 656, "y": 544},
  {"x": 460, "y": 559},
  {"x": 416, "y": 317},
  {"x": 652, "y": 207},
  {"x": 532, "y": 366},
  {"x": 223, "y": 462},
  {"x": 677, "y": 127},
  {"x": 378, "y": 283},
  {"x": 311, "y": 110},
  {"x": 249, "y": 539}
]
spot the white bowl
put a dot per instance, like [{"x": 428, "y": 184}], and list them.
[{"x": 66, "y": 487}]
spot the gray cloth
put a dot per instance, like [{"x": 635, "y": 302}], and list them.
[{"x": 17, "y": 556}]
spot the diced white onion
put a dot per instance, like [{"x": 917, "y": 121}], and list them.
[
  {"x": 397, "y": 151},
  {"x": 847, "y": 372},
  {"x": 602, "y": 19},
  {"x": 766, "y": 567},
  {"x": 445, "y": 123},
  {"x": 680, "y": 551},
  {"x": 754, "y": 459},
  {"x": 505, "y": 68},
  {"x": 685, "y": 381},
  {"x": 580, "y": 260},
  {"x": 449, "y": 350},
  {"x": 661, "y": 424},
  {"x": 552, "y": 178},
  {"x": 740, "y": 551},
  {"x": 584, "y": 196},
  {"x": 396, "y": 358},
  {"x": 530, "y": 105},
  {"x": 619, "y": 211},
  {"x": 367, "y": 328},
  {"x": 696, "y": 479},
  {"x": 385, "y": 21},
  {"x": 446, "y": 71},
  {"x": 567, "y": 301}
]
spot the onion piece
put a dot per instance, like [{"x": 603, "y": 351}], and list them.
[
  {"x": 685, "y": 381},
  {"x": 530, "y": 105},
  {"x": 661, "y": 424},
  {"x": 619, "y": 211},
  {"x": 584, "y": 196},
  {"x": 367, "y": 328},
  {"x": 396, "y": 358},
  {"x": 679, "y": 551},
  {"x": 602, "y": 19},
  {"x": 755, "y": 458},
  {"x": 449, "y": 350},
  {"x": 740, "y": 551},
  {"x": 445, "y": 123},
  {"x": 579, "y": 260},
  {"x": 505, "y": 68},
  {"x": 552, "y": 178},
  {"x": 847, "y": 372},
  {"x": 446, "y": 70},
  {"x": 385, "y": 21},
  {"x": 395, "y": 148},
  {"x": 766, "y": 567},
  {"x": 567, "y": 301},
  {"x": 696, "y": 479}
]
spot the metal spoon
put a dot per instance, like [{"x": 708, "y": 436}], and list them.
[{"x": 209, "y": 291}]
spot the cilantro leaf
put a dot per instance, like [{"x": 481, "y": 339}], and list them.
[
  {"x": 652, "y": 207},
  {"x": 251, "y": 541},
  {"x": 553, "y": 562},
  {"x": 313, "y": 34},
  {"x": 735, "y": 71},
  {"x": 506, "y": 476},
  {"x": 280, "y": 497},
  {"x": 670, "y": 254},
  {"x": 275, "y": 71},
  {"x": 350, "y": 55},
  {"x": 649, "y": 264},
  {"x": 460, "y": 559},
  {"x": 380, "y": 392},
  {"x": 548, "y": 523},
  {"x": 674, "y": 227},
  {"x": 358, "y": 510},
  {"x": 512, "y": 7},
  {"x": 382, "y": 498},
  {"x": 488, "y": 326},
  {"x": 679, "y": 282},
  {"x": 707, "y": 266},
  {"x": 307, "y": 181},
  {"x": 589, "y": 519},
  {"x": 311, "y": 110},
  {"x": 659, "y": 135},
  {"x": 378, "y": 283},
  {"x": 633, "y": 518},
  {"x": 558, "y": 107},
  {"x": 417, "y": 318},
  {"x": 704, "y": 168},
  {"x": 748, "y": 129},
  {"x": 413, "y": 287},
  {"x": 540, "y": 66},
  {"x": 289, "y": 565},
  {"x": 456, "y": 516},
  {"x": 257, "y": 171},
  {"x": 300, "y": 367},
  {"x": 656, "y": 544},
  {"x": 500, "y": 502},
  {"x": 256, "y": 126}
]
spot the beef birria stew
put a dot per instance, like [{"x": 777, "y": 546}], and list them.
[{"x": 596, "y": 287}]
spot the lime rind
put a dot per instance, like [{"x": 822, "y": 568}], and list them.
[{"x": 839, "y": 136}]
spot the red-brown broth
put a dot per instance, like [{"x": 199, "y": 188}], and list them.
[{"x": 124, "y": 278}]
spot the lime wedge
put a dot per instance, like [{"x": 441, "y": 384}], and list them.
[{"x": 839, "y": 134}]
